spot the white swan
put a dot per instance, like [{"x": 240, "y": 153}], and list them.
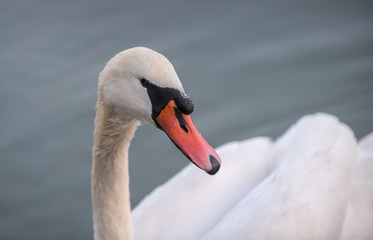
[
  {"x": 312, "y": 183},
  {"x": 137, "y": 85}
]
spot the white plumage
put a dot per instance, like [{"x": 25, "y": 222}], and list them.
[
  {"x": 359, "y": 219},
  {"x": 192, "y": 202},
  {"x": 309, "y": 184}
]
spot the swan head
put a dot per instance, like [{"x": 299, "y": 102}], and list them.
[{"x": 142, "y": 84}]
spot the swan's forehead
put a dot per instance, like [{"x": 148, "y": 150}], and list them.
[{"x": 153, "y": 66}]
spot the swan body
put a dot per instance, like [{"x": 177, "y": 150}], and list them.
[
  {"x": 293, "y": 188},
  {"x": 305, "y": 195}
]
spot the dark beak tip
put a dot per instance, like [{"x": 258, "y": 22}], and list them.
[{"x": 215, "y": 165}]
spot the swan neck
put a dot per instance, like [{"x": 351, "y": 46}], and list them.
[{"x": 110, "y": 178}]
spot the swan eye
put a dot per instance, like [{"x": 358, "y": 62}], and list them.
[{"x": 144, "y": 82}]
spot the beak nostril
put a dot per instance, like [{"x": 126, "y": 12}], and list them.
[
  {"x": 215, "y": 165},
  {"x": 180, "y": 119}
]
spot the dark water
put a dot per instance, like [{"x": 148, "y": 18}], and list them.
[{"x": 252, "y": 68}]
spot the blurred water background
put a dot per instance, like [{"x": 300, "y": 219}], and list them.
[{"x": 251, "y": 67}]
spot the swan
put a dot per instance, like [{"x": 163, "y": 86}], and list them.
[
  {"x": 314, "y": 182},
  {"x": 136, "y": 85}
]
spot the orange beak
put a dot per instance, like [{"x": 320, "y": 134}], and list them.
[{"x": 181, "y": 130}]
